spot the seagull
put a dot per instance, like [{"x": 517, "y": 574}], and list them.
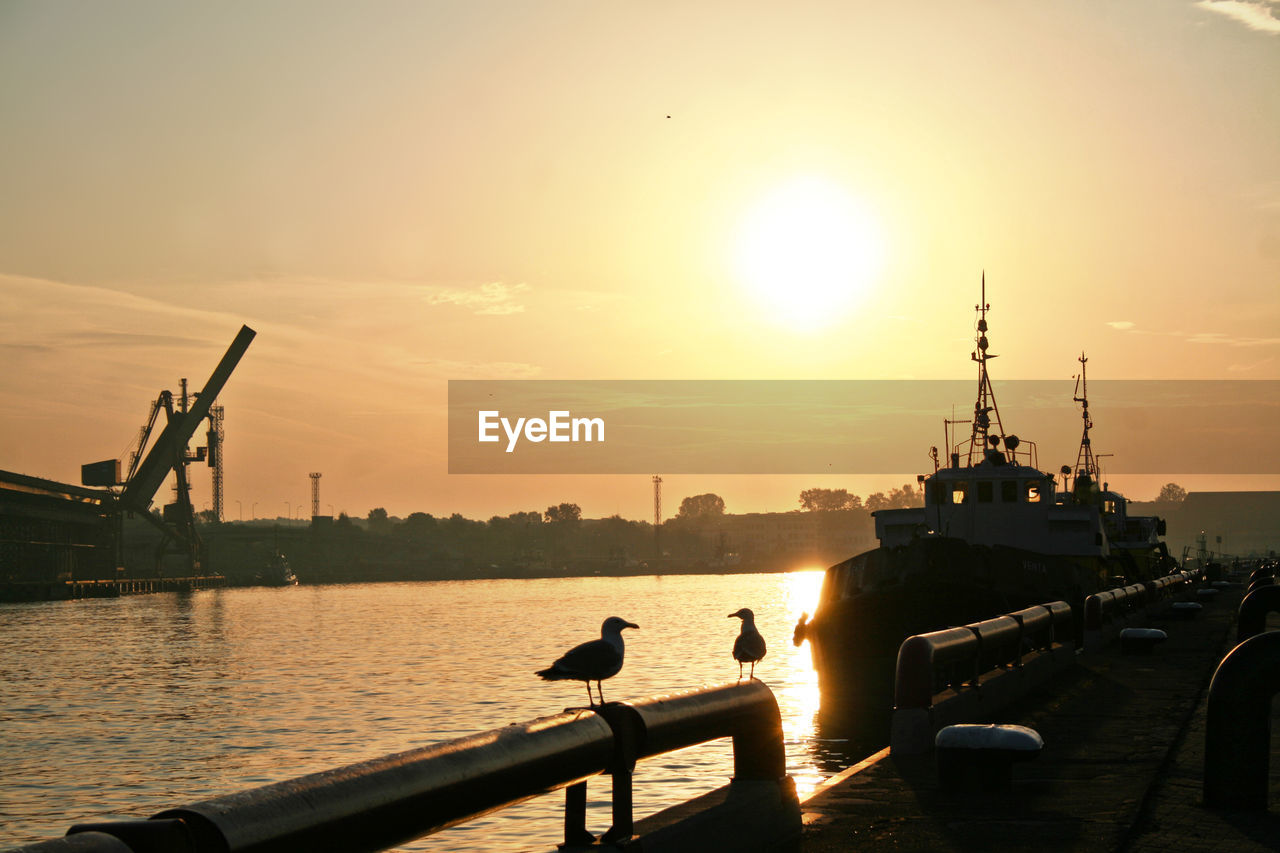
[
  {"x": 592, "y": 661},
  {"x": 749, "y": 647}
]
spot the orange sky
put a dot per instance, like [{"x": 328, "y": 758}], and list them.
[{"x": 399, "y": 194}]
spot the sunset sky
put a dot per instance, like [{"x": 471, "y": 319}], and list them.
[{"x": 398, "y": 194}]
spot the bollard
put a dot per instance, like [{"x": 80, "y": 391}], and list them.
[
  {"x": 1186, "y": 609},
  {"x": 1254, "y": 608},
  {"x": 1237, "y": 737},
  {"x": 1140, "y": 641},
  {"x": 983, "y": 755}
]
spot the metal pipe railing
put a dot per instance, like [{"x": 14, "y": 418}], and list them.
[
  {"x": 974, "y": 649},
  {"x": 387, "y": 801},
  {"x": 1237, "y": 732},
  {"x": 381, "y": 803}
]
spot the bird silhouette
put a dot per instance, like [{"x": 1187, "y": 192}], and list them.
[
  {"x": 595, "y": 660},
  {"x": 749, "y": 647}
]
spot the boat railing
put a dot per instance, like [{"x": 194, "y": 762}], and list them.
[{"x": 388, "y": 801}]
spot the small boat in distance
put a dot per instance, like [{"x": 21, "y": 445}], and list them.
[
  {"x": 277, "y": 572},
  {"x": 995, "y": 535}
]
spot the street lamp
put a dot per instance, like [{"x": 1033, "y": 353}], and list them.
[
  {"x": 240, "y": 510},
  {"x": 288, "y": 510},
  {"x": 253, "y": 511}
]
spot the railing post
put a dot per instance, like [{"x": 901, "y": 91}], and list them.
[
  {"x": 628, "y": 739},
  {"x": 575, "y": 817}
]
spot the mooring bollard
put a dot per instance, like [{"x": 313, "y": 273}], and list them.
[
  {"x": 1141, "y": 641},
  {"x": 1237, "y": 737},
  {"x": 983, "y": 755},
  {"x": 1186, "y": 609}
]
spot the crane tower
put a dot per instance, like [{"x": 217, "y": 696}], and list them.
[{"x": 315, "y": 493}]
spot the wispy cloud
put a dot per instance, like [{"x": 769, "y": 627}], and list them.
[
  {"x": 1209, "y": 338},
  {"x": 496, "y": 297},
  {"x": 1261, "y": 15},
  {"x": 1231, "y": 340},
  {"x": 1245, "y": 368}
]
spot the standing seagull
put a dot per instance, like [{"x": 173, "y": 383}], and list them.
[
  {"x": 749, "y": 647},
  {"x": 592, "y": 661}
]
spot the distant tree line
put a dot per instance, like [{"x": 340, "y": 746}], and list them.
[{"x": 830, "y": 500}]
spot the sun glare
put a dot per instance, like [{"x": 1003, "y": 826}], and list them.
[{"x": 807, "y": 252}]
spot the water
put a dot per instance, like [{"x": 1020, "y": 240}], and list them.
[{"x": 119, "y": 708}]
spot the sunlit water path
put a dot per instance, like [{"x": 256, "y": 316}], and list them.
[{"x": 123, "y": 707}]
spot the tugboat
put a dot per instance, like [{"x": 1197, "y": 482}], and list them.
[
  {"x": 277, "y": 572},
  {"x": 994, "y": 535}
]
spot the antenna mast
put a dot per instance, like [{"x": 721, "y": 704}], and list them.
[
  {"x": 985, "y": 405},
  {"x": 1086, "y": 462}
]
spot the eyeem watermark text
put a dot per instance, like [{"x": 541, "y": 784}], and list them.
[{"x": 558, "y": 426}]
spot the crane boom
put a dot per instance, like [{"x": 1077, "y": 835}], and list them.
[{"x": 169, "y": 447}]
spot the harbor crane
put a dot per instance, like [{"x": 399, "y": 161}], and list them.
[{"x": 169, "y": 454}]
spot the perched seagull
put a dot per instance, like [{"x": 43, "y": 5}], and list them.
[
  {"x": 593, "y": 661},
  {"x": 749, "y": 647}
]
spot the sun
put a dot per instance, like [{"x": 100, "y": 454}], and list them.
[{"x": 808, "y": 251}]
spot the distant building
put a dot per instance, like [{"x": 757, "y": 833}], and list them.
[{"x": 1247, "y": 522}]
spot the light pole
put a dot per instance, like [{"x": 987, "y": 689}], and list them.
[
  {"x": 253, "y": 511},
  {"x": 288, "y": 510},
  {"x": 240, "y": 510}
]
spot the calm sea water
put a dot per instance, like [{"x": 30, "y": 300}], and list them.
[{"x": 122, "y": 707}]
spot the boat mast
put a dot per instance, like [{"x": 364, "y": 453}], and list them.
[
  {"x": 1086, "y": 462},
  {"x": 985, "y": 406}
]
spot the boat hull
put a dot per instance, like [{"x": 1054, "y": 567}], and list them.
[{"x": 872, "y": 602}]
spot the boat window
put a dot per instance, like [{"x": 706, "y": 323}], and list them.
[
  {"x": 959, "y": 492},
  {"x": 1009, "y": 491},
  {"x": 986, "y": 491},
  {"x": 1033, "y": 492}
]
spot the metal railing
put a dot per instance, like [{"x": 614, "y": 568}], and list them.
[
  {"x": 1106, "y": 612},
  {"x": 1237, "y": 742},
  {"x": 381, "y": 803},
  {"x": 971, "y": 672},
  {"x": 958, "y": 657}
]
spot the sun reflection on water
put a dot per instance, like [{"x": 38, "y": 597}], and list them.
[{"x": 797, "y": 688}]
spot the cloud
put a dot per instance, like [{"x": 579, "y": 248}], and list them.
[
  {"x": 1261, "y": 15},
  {"x": 1244, "y": 368},
  {"x": 1231, "y": 340},
  {"x": 494, "y": 298},
  {"x": 1218, "y": 338}
]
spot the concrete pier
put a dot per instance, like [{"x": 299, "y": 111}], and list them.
[
  {"x": 70, "y": 589},
  {"x": 1121, "y": 769}
]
